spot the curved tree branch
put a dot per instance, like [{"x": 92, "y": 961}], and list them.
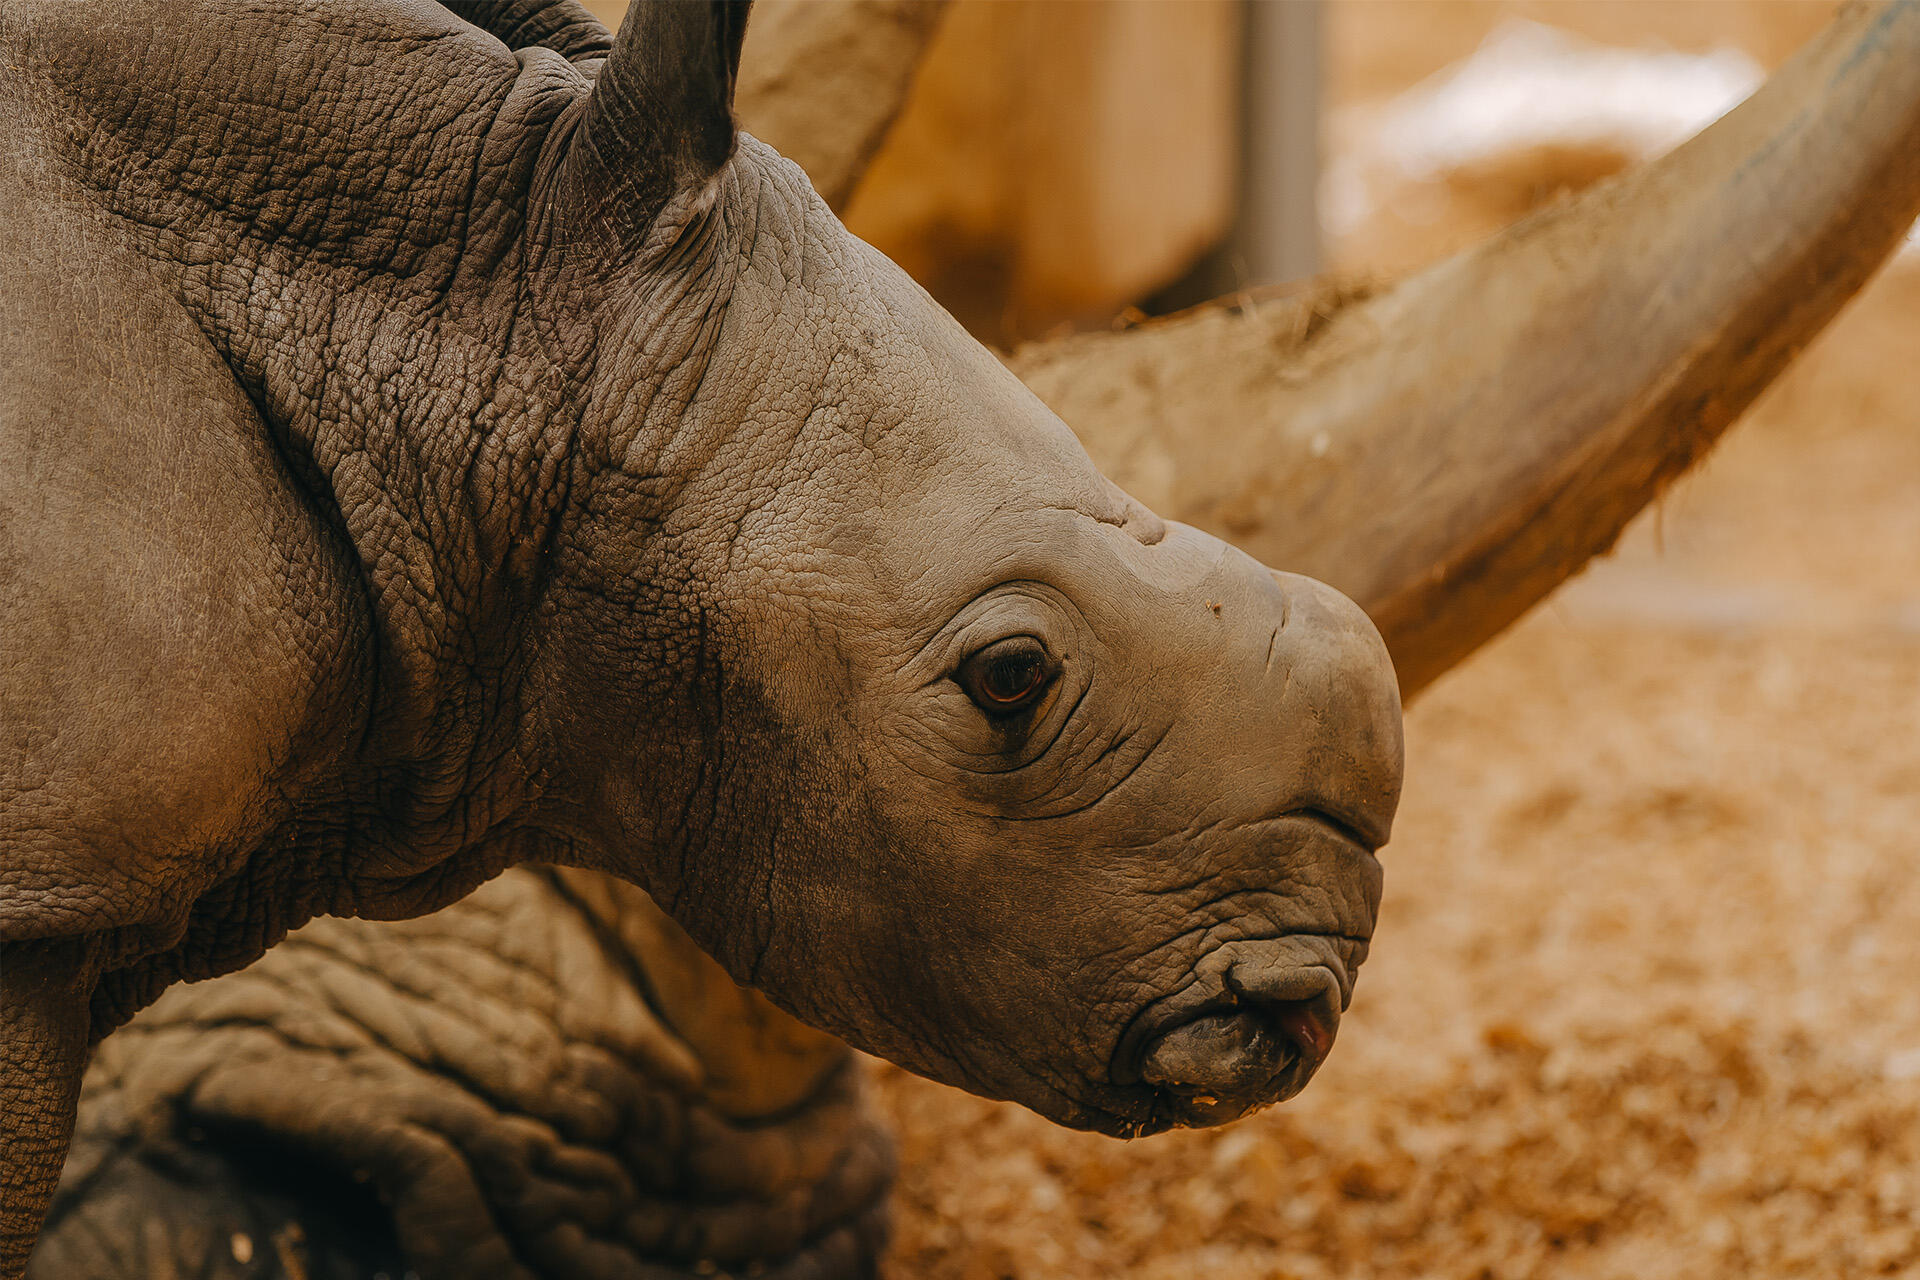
[
  {"x": 821, "y": 83},
  {"x": 1451, "y": 450}
]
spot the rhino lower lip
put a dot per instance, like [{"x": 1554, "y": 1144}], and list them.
[
  {"x": 1196, "y": 1109},
  {"x": 1233, "y": 1059}
]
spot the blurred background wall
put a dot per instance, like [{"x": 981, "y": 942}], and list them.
[{"x": 1063, "y": 161}]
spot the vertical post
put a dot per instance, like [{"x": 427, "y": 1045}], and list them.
[
  {"x": 1277, "y": 232},
  {"x": 1276, "y": 217}
]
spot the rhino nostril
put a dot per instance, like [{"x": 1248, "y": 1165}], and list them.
[{"x": 1301, "y": 1022}]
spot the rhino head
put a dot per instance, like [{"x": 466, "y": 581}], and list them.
[
  {"x": 512, "y": 462},
  {"x": 905, "y": 712}
]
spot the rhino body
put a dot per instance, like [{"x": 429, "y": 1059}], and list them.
[{"x": 426, "y": 448}]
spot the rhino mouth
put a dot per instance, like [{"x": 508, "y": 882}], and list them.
[
  {"x": 1341, "y": 828},
  {"x": 1253, "y": 1022},
  {"x": 1234, "y": 1060}
]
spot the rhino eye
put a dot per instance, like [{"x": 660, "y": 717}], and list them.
[{"x": 1006, "y": 676}]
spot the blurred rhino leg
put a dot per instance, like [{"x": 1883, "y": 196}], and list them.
[
  {"x": 182, "y": 1202},
  {"x": 545, "y": 1079}
]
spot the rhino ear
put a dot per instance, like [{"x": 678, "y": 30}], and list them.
[{"x": 661, "y": 116}]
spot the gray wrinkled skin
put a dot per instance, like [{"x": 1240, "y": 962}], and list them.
[
  {"x": 419, "y": 455},
  {"x": 546, "y": 1079}
]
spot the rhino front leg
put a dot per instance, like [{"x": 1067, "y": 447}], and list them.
[
  {"x": 43, "y": 1050},
  {"x": 147, "y": 1202}
]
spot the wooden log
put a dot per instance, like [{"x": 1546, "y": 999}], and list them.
[{"x": 1449, "y": 450}]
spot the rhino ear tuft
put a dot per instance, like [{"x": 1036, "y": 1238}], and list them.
[{"x": 661, "y": 116}]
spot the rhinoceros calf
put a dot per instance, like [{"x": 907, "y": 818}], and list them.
[
  {"x": 419, "y": 455},
  {"x": 522, "y": 1078}
]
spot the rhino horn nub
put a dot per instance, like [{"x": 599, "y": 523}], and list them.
[
  {"x": 661, "y": 116},
  {"x": 1449, "y": 451}
]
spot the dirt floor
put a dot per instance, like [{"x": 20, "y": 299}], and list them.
[{"x": 1646, "y": 997}]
